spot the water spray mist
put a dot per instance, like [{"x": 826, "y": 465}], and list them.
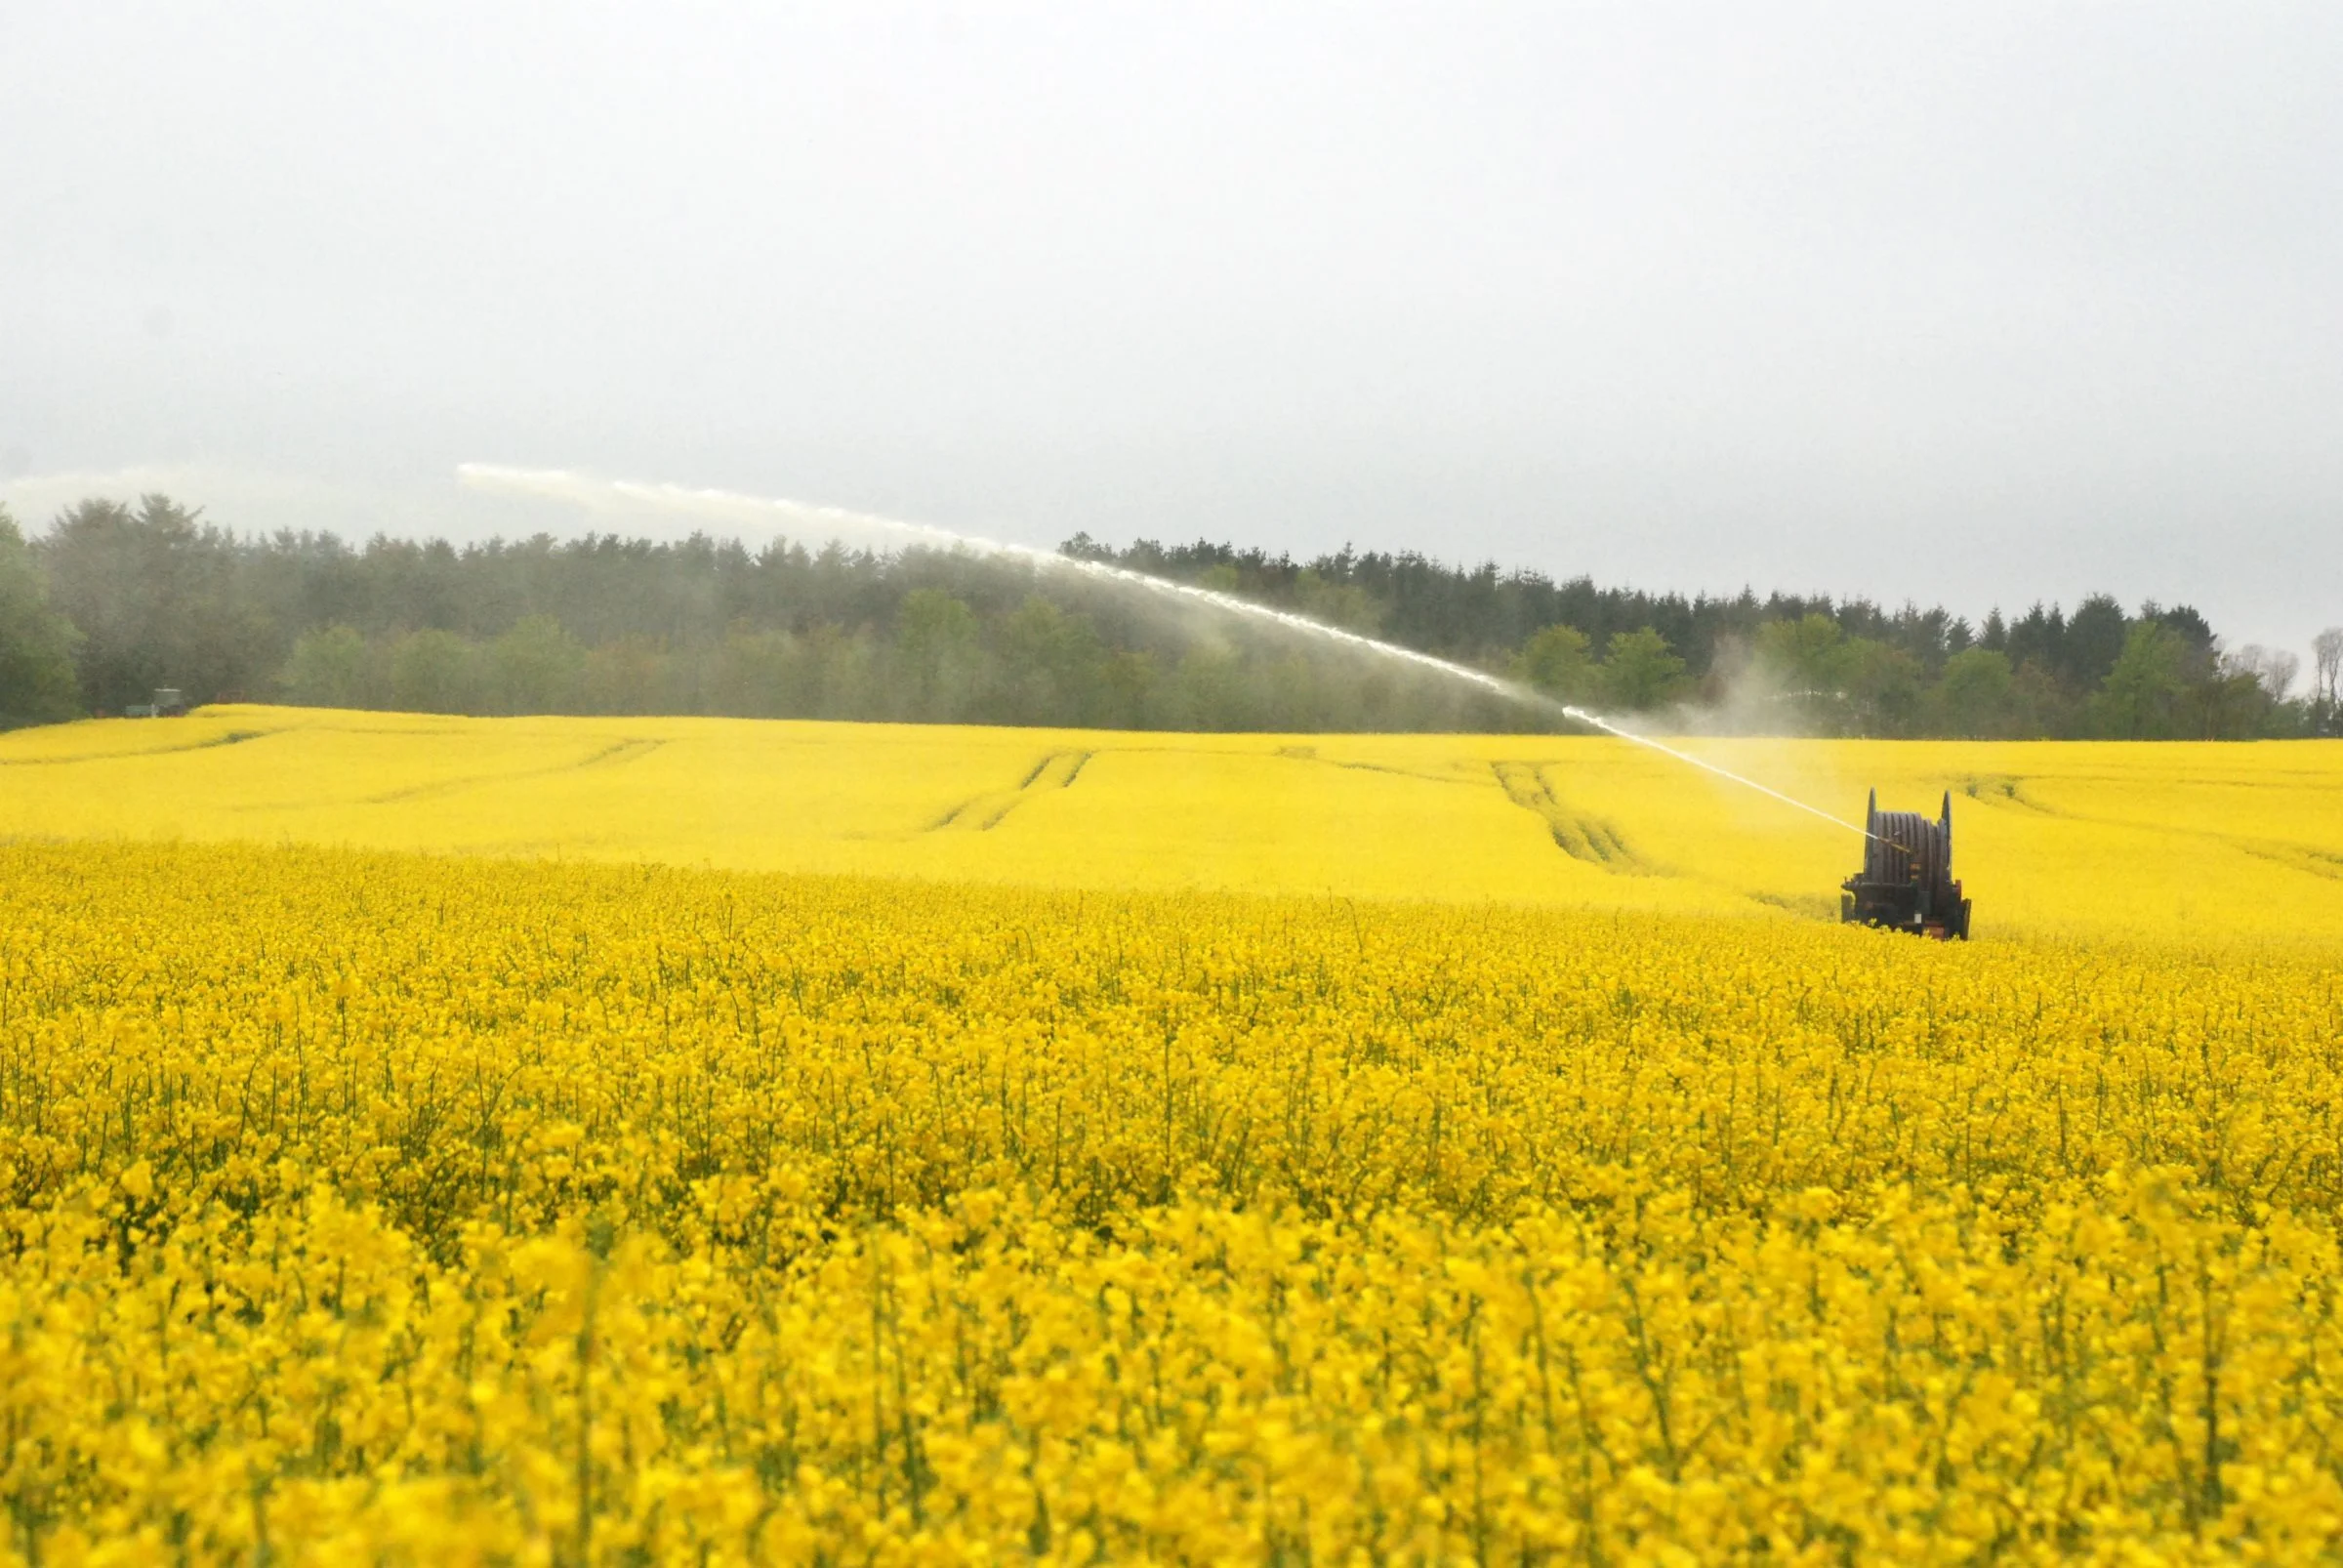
[{"x": 732, "y": 507}]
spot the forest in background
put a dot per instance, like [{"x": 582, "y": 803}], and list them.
[{"x": 113, "y": 601}]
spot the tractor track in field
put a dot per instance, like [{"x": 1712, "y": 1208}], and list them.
[
  {"x": 1582, "y": 838},
  {"x": 2001, "y": 789},
  {"x": 2308, "y": 859},
  {"x": 234, "y": 738},
  {"x": 1309, "y": 754},
  {"x": 615, "y": 755},
  {"x": 982, "y": 814}
]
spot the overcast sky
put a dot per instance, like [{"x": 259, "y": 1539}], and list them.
[{"x": 1971, "y": 303}]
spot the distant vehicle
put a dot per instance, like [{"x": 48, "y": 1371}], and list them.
[
  {"x": 1907, "y": 882},
  {"x": 169, "y": 703}
]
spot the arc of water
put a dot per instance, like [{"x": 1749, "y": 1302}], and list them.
[{"x": 562, "y": 484}]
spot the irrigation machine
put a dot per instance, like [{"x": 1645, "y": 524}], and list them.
[{"x": 1907, "y": 882}]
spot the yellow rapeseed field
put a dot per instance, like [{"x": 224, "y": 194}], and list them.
[
  {"x": 2206, "y": 842},
  {"x": 806, "y": 1144}
]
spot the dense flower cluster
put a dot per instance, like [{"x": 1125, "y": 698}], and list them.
[{"x": 384, "y": 1208}]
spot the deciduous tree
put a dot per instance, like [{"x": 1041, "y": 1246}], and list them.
[{"x": 36, "y": 644}]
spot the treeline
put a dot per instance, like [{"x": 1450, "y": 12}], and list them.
[{"x": 114, "y": 601}]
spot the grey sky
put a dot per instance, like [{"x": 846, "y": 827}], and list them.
[{"x": 1971, "y": 303}]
